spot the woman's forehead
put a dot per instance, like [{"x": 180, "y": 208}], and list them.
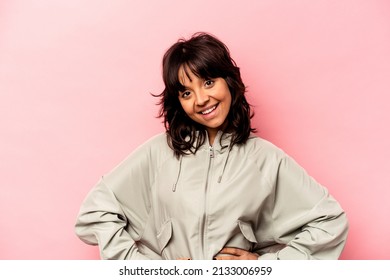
[{"x": 186, "y": 73}]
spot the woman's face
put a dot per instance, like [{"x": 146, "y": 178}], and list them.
[{"x": 205, "y": 101}]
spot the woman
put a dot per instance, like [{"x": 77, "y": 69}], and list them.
[{"x": 209, "y": 188}]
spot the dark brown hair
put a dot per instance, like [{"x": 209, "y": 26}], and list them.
[{"x": 207, "y": 57}]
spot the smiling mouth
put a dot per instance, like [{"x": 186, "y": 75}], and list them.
[{"x": 208, "y": 111}]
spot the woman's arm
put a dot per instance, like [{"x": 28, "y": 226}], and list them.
[
  {"x": 101, "y": 221},
  {"x": 306, "y": 218},
  {"x": 116, "y": 214}
]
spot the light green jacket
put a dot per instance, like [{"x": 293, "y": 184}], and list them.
[{"x": 253, "y": 196}]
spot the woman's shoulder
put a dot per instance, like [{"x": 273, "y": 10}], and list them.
[
  {"x": 258, "y": 145},
  {"x": 263, "y": 153},
  {"x": 150, "y": 153},
  {"x": 155, "y": 145},
  {"x": 159, "y": 139}
]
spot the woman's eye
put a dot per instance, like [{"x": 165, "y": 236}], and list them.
[
  {"x": 208, "y": 83},
  {"x": 185, "y": 94}
]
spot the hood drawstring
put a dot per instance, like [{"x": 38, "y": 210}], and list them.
[
  {"x": 178, "y": 174},
  {"x": 225, "y": 163},
  {"x": 229, "y": 148}
]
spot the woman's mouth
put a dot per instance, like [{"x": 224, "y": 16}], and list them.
[{"x": 209, "y": 110}]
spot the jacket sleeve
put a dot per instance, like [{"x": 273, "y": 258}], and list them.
[
  {"x": 305, "y": 218},
  {"x": 116, "y": 211}
]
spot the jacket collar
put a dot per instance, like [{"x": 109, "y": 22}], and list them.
[
  {"x": 221, "y": 145},
  {"x": 221, "y": 142}
]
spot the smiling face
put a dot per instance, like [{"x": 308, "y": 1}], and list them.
[{"x": 205, "y": 101}]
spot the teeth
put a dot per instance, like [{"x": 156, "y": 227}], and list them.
[{"x": 209, "y": 110}]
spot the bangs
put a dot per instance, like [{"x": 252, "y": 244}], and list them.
[{"x": 203, "y": 64}]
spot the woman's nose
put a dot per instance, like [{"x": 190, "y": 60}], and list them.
[{"x": 202, "y": 98}]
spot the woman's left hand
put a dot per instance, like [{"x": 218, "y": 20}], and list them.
[{"x": 229, "y": 253}]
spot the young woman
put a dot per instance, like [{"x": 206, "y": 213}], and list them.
[{"x": 209, "y": 188}]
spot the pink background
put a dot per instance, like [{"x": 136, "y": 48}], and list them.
[{"x": 75, "y": 84}]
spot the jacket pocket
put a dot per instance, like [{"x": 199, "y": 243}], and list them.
[
  {"x": 242, "y": 237},
  {"x": 247, "y": 231},
  {"x": 164, "y": 236}
]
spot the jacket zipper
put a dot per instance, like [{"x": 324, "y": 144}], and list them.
[
  {"x": 211, "y": 153},
  {"x": 204, "y": 221}
]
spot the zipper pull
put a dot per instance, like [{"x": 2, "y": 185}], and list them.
[{"x": 211, "y": 152}]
